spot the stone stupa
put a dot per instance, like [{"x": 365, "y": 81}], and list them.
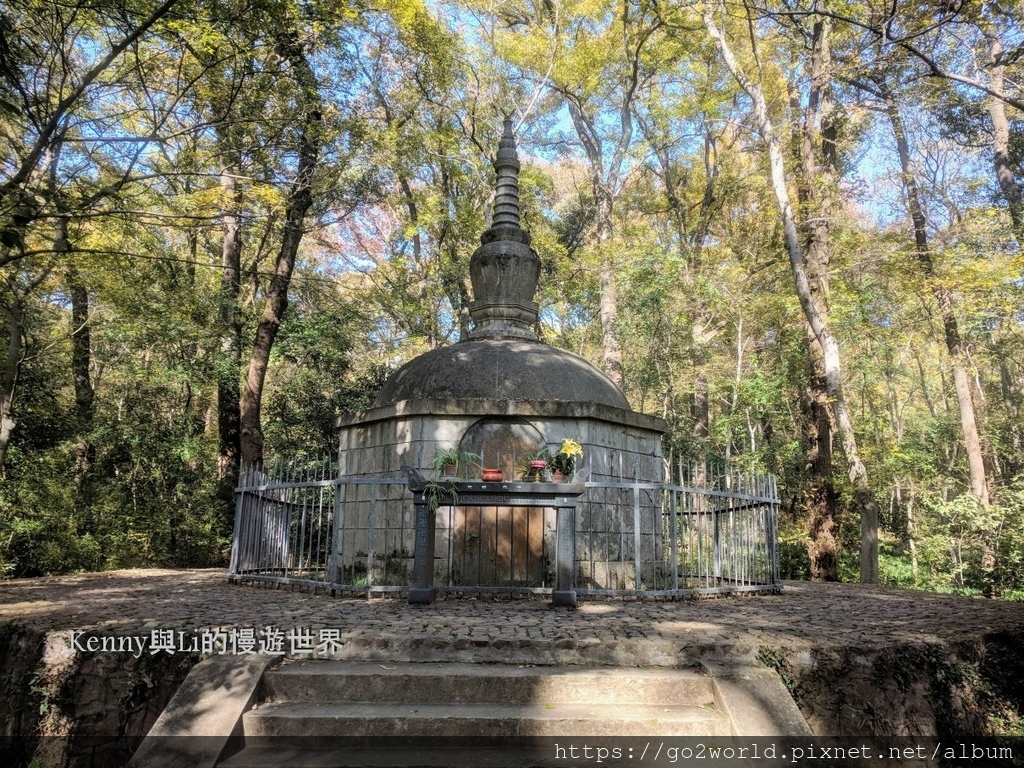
[{"x": 501, "y": 393}]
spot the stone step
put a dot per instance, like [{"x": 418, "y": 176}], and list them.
[
  {"x": 384, "y": 714},
  {"x": 322, "y": 724},
  {"x": 654, "y": 651},
  {"x": 483, "y": 683},
  {"x": 270, "y": 757}
]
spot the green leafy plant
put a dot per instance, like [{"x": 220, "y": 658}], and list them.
[
  {"x": 461, "y": 461},
  {"x": 439, "y": 493}
]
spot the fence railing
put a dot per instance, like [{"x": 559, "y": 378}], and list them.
[{"x": 712, "y": 532}]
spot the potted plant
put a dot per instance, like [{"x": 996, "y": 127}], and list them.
[
  {"x": 533, "y": 465},
  {"x": 563, "y": 463},
  {"x": 451, "y": 462}
]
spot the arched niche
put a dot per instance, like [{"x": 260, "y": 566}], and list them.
[{"x": 502, "y": 442}]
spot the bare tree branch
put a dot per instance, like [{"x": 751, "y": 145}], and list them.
[{"x": 905, "y": 42}]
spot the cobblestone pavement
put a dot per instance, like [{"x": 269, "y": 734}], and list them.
[{"x": 804, "y": 616}]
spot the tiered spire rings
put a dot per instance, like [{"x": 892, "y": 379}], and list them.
[{"x": 504, "y": 270}]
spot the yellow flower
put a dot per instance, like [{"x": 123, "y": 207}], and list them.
[{"x": 571, "y": 448}]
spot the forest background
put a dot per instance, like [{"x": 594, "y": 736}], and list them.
[{"x": 792, "y": 229}]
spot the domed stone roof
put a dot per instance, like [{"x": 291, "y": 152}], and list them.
[
  {"x": 502, "y": 359},
  {"x": 501, "y": 369}
]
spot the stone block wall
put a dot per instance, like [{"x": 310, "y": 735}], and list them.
[
  {"x": 617, "y": 443},
  {"x": 619, "y": 446}
]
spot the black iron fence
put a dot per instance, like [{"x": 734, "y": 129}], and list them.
[{"x": 712, "y": 531}]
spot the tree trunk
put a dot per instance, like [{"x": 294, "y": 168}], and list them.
[
  {"x": 429, "y": 324},
  {"x": 943, "y": 297},
  {"x": 611, "y": 350},
  {"x": 14, "y": 317},
  {"x": 603, "y": 183},
  {"x": 820, "y": 499},
  {"x": 1014, "y": 399},
  {"x": 863, "y": 500},
  {"x": 1001, "y": 143},
  {"x": 815, "y": 135},
  {"x": 300, "y": 198},
  {"x": 913, "y": 540},
  {"x": 228, "y": 395},
  {"x": 700, "y": 405},
  {"x": 81, "y": 353}
]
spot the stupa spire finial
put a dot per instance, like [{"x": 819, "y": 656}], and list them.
[
  {"x": 504, "y": 269},
  {"x": 506, "y": 195}
]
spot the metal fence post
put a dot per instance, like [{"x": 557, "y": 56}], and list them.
[
  {"x": 637, "y": 540},
  {"x": 334, "y": 577},
  {"x": 716, "y": 543},
  {"x": 674, "y": 538},
  {"x": 235, "y": 543}
]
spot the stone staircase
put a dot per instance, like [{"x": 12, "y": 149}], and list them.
[
  {"x": 347, "y": 713},
  {"x": 258, "y": 712}
]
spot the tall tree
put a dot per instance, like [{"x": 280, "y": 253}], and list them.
[
  {"x": 40, "y": 114},
  {"x": 597, "y": 74},
  {"x": 692, "y": 183},
  {"x": 626, "y": 37},
  {"x": 814, "y": 309},
  {"x": 954, "y": 340},
  {"x": 309, "y": 118},
  {"x": 431, "y": 140},
  {"x": 816, "y": 155},
  {"x": 229, "y": 430}
]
